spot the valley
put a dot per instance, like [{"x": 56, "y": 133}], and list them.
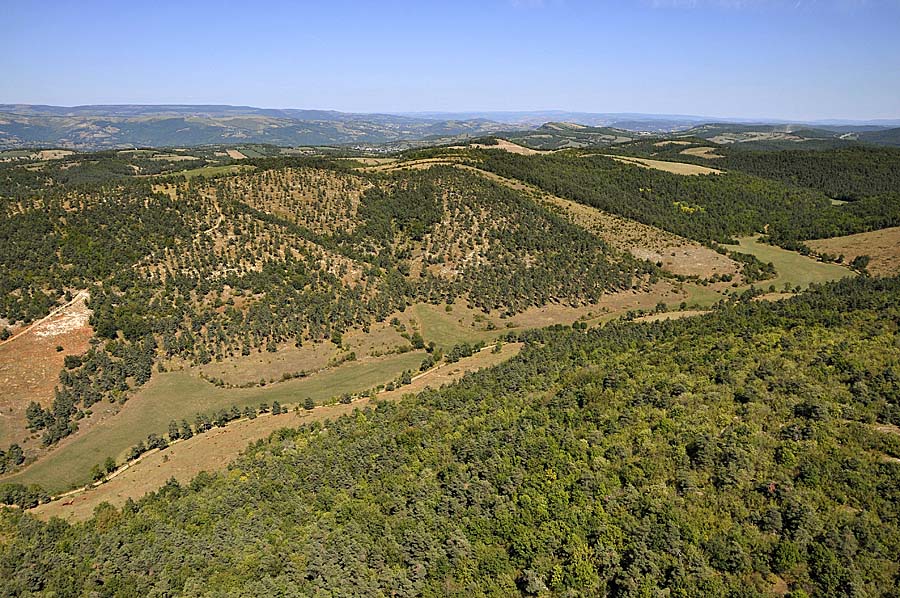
[
  {"x": 310, "y": 209},
  {"x": 516, "y": 299},
  {"x": 171, "y": 314}
]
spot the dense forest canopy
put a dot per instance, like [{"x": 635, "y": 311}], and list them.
[
  {"x": 706, "y": 208},
  {"x": 709, "y": 456},
  {"x": 845, "y": 173}
]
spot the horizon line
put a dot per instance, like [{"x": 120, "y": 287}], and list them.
[{"x": 699, "y": 117}]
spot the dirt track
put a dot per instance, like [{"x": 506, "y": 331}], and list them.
[{"x": 82, "y": 296}]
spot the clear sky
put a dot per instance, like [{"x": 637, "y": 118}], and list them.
[{"x": 794, "y": 59}]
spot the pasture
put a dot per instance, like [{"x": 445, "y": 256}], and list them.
[
  {"x": 793, "y": 269},
  {"x": 183, "y": 394},
  {"x": 682, "y": 168},
  {"x": 702, "y": 152},
  {"x": 882, "y": 246},
  {"x": 213, "y": 450}
]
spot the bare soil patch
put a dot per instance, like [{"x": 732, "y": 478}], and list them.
[
  {"x": 30, "y": 366},
  {"x": 235, "y": 155},
  {"x": 883, "y": 246},
  {"x": 665, "y": 143}
]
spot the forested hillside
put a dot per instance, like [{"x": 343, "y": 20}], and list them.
[
  {"x": 194, "y": 265},
  {"x": 846, "y": 173},
  {"x": 715, "y": 208},
  {"x": 299, "y": 250},
  {"x": 742, "y": 453}
]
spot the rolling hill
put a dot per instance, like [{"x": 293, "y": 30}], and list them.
[
  {"x": 164, "y": 310},
  {"x": 99, "y": 127}
]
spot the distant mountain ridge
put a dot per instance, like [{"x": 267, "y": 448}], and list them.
[
  {"x": 94, "y": 127},
  {"x": 124, "y": 126}
]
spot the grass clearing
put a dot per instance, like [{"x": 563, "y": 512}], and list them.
[
  {"x": 882, "y": 246},
  {"x": 505, "y": 145},
  {"x": 682, "y": 168},
  {"x": 708, "y": 153},
  {"x": 700, "y": 296},
  {"x": 675, "y": 254},
  {"x": 793, "y": 269},
  {"x": 447, "y": 329},
  {"x": 181, "y": 395},
  {"x": 271, "y": 366},
  {"x": 447, "y": 373},
  {"x": 216, "y": 448},
  {"x": 671, "y": 315}
]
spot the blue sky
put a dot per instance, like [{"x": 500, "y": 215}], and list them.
[{"x": 797, "y": 59}]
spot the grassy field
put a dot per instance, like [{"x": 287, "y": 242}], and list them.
[
  {"x": 181, "y": 395},
  {"x": 445, "y": 328},
  {"x": 702, "y": 152},
  {"x": 700, "y": 296},
  {"x": 218, "y": 447},
  {"x": 791, "y": 267},
  {"x": 270, "y": 366},
  {"x": 682, "y": 168},
  {"x": 882, "y": 246}
]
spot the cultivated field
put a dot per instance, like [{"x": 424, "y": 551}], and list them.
[{"x": 882, "y": 246}]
